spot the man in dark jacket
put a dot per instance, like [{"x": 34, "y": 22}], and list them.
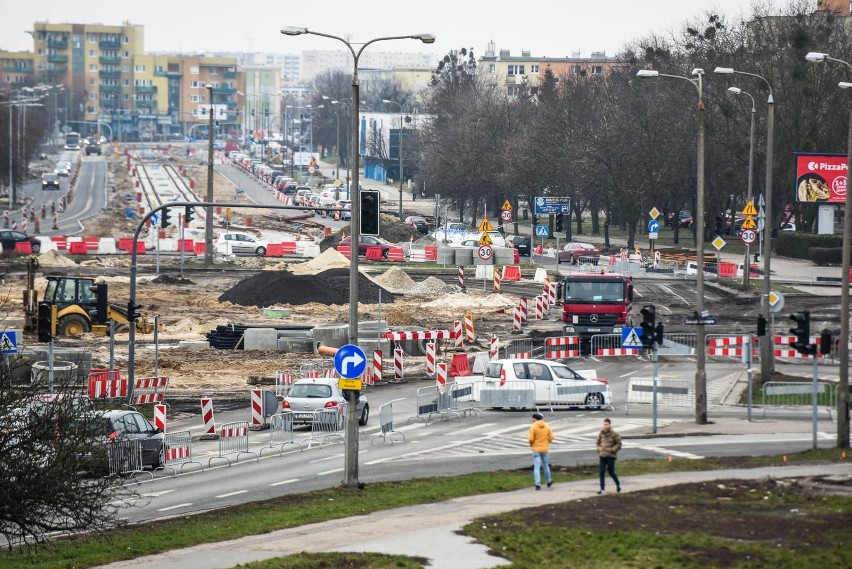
[
  {"x": 609, "y": 443},
  {"x": 540, "y": 437}
]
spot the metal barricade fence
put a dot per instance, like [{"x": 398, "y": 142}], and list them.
[
  {"x": 327, "y": 423},
  {"x": 462, "y": 401},
  {"x": 583, "y": 396},
  {"x": 281, "y": 432},
  {"x": 678, "y": 344},
  {"x": 386, "y": 424},
  {"x": 523, "y": 348},
  {"x": 178, "y": 450},
  {"x": 233, "y": 439},
  {"x": 797, "y": 394},
  {"x": 670, "y": 392},
  {"x": 125, "y": 457},
  {"x": 434, "y": 400},
  {"x": 519, "y": 394},
  {"x": 610, "y": 345}
]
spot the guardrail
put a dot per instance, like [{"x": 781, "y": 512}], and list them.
[
  {"x": 797, "y": 395},
  {"x": 281, "y": 432},
  {"x": 233, "y": 439},
  {"x": 125, "y": 457},
  {"x": 386, "y": 423},
  {"x": 328, "y": 423},
  {"x": 670, "y": 392}
]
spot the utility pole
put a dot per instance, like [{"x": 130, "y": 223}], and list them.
[{"x": 208, "y": 213}]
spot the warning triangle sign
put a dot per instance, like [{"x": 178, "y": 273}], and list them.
[
  {"x": 6, "y": 344},
  {"x": 631, "y": 339},
  {"x": 749, "y": 209}
]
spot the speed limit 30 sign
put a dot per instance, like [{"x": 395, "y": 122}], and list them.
[
  {"x": 485, "y": 252},
  {"x": 748, "y": 236},
  {"x": 506, "y": 215}
]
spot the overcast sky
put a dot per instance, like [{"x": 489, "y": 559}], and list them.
[{"x": 552, "y": 28}]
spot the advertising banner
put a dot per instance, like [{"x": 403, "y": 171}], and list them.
[{"x": 821, "y": 178}]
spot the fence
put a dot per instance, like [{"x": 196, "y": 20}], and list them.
[
  {"x": 434, "y": 400},
  {"x": 125, "y": 457},
  {"x": 670, "y": 392},
  {"x": 793, "y": 394},
  {"x": 178, "y": 451},
  {"x": 148, "y": 390},
  {"x": 386, "y": 423},
  {"x": 233, "y": 439},
  {"x": 327, "y": 423},
  {"x": 523, "y": 348},
  {"x": 518, "y": 394},
  {"x": 281, "y": 432},
  {"x": 610, "y": 345}
]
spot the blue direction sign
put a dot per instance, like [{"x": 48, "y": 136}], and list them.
[
  {"x": 8, "y": 342},
  {"x": 653, "y": 226},
  {"x": 541, "y": 231},
  {"x": 547, "y": 205},
  {"x": 631, "y": 338},
  {"x": 350, "y": 361}
]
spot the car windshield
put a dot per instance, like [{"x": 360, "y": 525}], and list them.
[
  {"x": 51, "y": 177},
  {"x": 594, "y": 291},
  {"x": 310, "y": 391},
  {"x": 564, "y": 372}
]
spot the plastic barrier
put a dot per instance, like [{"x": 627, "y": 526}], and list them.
[
  {"x": 274, "y": 250},
  {"x": 344, "y": 250},
  {"x": 386, "y": 424},
  {"x": 200, "y": 247},
  {"x": 374, "y": 254},
  {"x": 289, "y": 247},
  {"x": 728, "y": 270},
  {"x": 512, "y": 272},
  {"x": 431, "y": 252},
  {"x": 460, "y": 366},
  {"x": 186, "y": 245},
  {"x": 77, "y": 248},
  {"x": 396, "y": 254},
  {"x": 281, "y": 432},
  {"x": 160, "y": 417},
  {"x": 178, "y": 451},
  {"x": 106, "y": 384},
  {"x": 233, "y": 439},
  {"x": 91, "y": 243},
  {"x": 61, "y": 241}
]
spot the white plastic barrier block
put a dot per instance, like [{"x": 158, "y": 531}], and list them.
[
  {"x": 540, "y": 275},
  {"x": 168, "y": 245},
  {"x": 311, "y": 250},
  {"x": 47, "y": 244},
  {"x": 106, "y": 245}
]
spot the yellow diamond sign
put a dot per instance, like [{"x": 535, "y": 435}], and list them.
[
  {"x": 506, "y": 206},
  {"x": 485, "y": 225},
  {"x": 749, "y": 209},
  {"x": 654, "y": 213},
  {"x": 748, "y": 223},
  {"x": 485, "y": 239},
  {"x": 718, "y": 243}
]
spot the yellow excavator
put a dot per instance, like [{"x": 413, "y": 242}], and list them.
[{"x": 76, "y": 305}]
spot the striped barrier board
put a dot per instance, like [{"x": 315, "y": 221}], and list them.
[
  {"x": 562, "y": 347},
  {"x": 150, "y": 390},
  {"x": 617, "y": 352},
  {"x": 419, "y": 335},
  {"x": 106, "y": 384}
]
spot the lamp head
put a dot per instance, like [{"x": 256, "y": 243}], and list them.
[
  {"x": 293, "y": 30},
  {"x": 647, "y": 73},
  {"x": 816, "y": 57},
  {"x": 845, "y": 85},
  {"x": 697, "y": 71},
  {"x": 325, "y": 97},
  {"x": 735, "y": 90},
  {"x": 425, "y": 38},
  {"x": 386, "y": 101},
  {"x": 209, "y": 85},
  {"x": 724, "y": 70}
]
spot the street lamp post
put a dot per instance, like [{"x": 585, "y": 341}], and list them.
[
  {"x": 843, "y": 383},
  {"x": 208, "y": 214},
  {"x": 337, "y": 114},
  {"x": 351, "y": 460},
  {"x": 401, "y": 125},
  {"x": 349, "y": 158},
  {"x": 767, "y": 364},
  {"x": 700, "y": 372},
  {"x": 738, "y": 91}
]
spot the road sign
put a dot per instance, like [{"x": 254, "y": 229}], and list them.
[
  {"x": 653, "y": 226},
  {"x": 311, "y": 169},
  {"x": 485, "y": 252},
  {"x": 631, "y": 338},
  {"x": 506, "y": 206},
  {"x": 485, "y": 225},
  {"x": 761, "y": 202},
  {"x": 485, "y": 239},
  {"x": 748, "y": 223},
  {"x": 701, "y": 320},
  {"x": 654, "y": 213},
  {"x": 353, "y": 384},
  {"x": 748, "y": 236},
  {"x": 506, "y": 215},
  {"x": 547, "y": 205},
  {"x": 653, "y": 235},
  {"x": 541, "y": 231},
  {"x": 350, "y": 361},
  {"x": 761, "y": 224},
  {"x": 337, "y": 183},
  {"x": 776, "y": 301},
  {"x": 718, "y": 243},
  {"x": 8, "y": 342},
  {"x": 749, "y": 209}
]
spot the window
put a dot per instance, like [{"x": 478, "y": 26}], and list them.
[
  {"x": 575, "y": 69},
  {"x": 492, "y": 68},
  {"x": 93, "y": 53},
  {"x": 196, "y": 99},
  {"x": 193, "y": 70},
  {"x": 126, "y": 54},
  {"x": 139, "y": 69},
  {"x": 213, "y": 71},
  {"x": 597, "y": 69},
  {"x": 158, "y": 69},
  {"x": 126, "y": 82},
  {"x": 534, "y": 68},
  {"x": 126, "y": 39},
  {"x": 93, "y": 38},
  {"x": 93, "y": 67},
  {"x": 194, "y": 84}
]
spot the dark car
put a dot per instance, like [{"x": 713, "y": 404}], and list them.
[
  {"x": 110, "y": 427},
  {"x": 50, "y": 181},
  {"x": 365, "y": 241},
  {"x": 684, "y": 216},
  {"x": 418, "y": 222},
  {"x": 8, "y": 238},
  {"x": 522, "y": 243},
  {"x": 575, "y": 252}
]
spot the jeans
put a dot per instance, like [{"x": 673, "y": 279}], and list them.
[
  {"x": 607, "y": 464},
  {"x": 540, "y": 459}
]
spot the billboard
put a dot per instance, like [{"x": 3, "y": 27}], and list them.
[{"x": 821, "y": 178}]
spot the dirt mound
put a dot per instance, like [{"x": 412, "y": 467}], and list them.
[
  {"x": 472, "y": 299},
  {"x": 328, "y": 259},
  {"x": 168, "y": 279},
  {"x": 395, "y": 280},
  {"x": 283, "y": 287},
  {"x": 55, "y": 259},
  {"x": 433, "y": 285}
]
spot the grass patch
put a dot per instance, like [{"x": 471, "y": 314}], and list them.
[
  {"x": 338, "y": 561},
  {"x": 296, "y": 510}
]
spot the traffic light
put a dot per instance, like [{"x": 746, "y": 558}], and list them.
[
  {"x": 802, "y": 332},
  {"x": 46, "y": 322},
  {"x": 825, "y": 343},
  {"x": 133, "y": 311},
  {"x": 761, "y": 325},
  {"x": 188, "y": 214},
  {"x": 370, "y": 203},
  {"x": 560, "y": 225},
  {"x": 658, "y": 333},
  {"x": 649, "y": 316},
  {"x": 164, "y": 220}
]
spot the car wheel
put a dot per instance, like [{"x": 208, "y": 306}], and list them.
[
  {"x": 571, "y": 260},
  {"x": 385, "y": 253},
  {"x": 365, "y": 415},
  {"x": 594, "y": 400},
  {"x": 73, "y": 326},
  {"x": 161, "y": 458},
  {"x": 260, "y": 251}
]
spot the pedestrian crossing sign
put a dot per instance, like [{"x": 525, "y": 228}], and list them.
[
  {"x": 8, "y": 342},
  {"x": 631, "y": 338}
]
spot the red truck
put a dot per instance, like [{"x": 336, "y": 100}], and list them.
[{"x": 595, "y": 304}]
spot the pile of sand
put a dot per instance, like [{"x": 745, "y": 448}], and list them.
[
  {"x": 465, "y": 300},
  {"x": 433, "y": 285},
  {"x": 328, "y": 259},
  {"x": 395, "y": 280},
  {"x": 55, "y": 259}
]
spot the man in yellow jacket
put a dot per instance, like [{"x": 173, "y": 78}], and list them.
[{"x": 540, "y": 437}]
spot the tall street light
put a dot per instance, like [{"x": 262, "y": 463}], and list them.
[
  {"x": 700, "y": 371},
  {"x": 336, "y": 104},
  {"x": 843, "y": 384},
  {"x": 738, "y": 91},
  {"x": 348, "y": 158},
  {"x": 208, "y": 214},
  {"x": 399, "y": 150},
  {"x": 767, "y": 365},
  {"x": 351, "y": 461}
]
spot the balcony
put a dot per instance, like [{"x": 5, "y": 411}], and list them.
[
  {"x": 15, "y": 69},
  {"x": 222, "y": 90},
  {"x": 146, "y": 88},
  {"x": 109, "y": 88},
  {"x": 57, "y": 43},
  {"x": 231, "y": 104},
  {"x": 109, "y": 74},
  {"x": 161, "y": 73},
  {"x": 57, "y": 71},
  {"x": 147, "y": 103},
  {"x": 110, "y": 103},
  {"x": 109, "y": 59},
  {"x": 230, "y": 74},
  {"x": 109, "y": 44},
  {"x": 57, "y": 58}
]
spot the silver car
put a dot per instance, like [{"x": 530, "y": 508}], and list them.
[
  {"x": 312, "y": 394},
  {"x": 243, "y": 243}
]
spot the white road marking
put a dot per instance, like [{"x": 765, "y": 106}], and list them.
[
  {"x": 670, "y": 291},
  {"x": 157, "y": 494},
  {"x": 332, "y": 457},
  {"x": 231, "y": 494},
  {"x": 329, "y": 472},
  {"x": 629, "y": 374},
  {"x": 473, "y": 428},
  {"x": 285, "y": 482},
  {"x": 175, "y": 507},
  {"x": 669, "y": 452}
]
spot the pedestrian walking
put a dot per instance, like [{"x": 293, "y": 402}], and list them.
[
  {"x": 609, "y": 443},
  {"x": 540, "y": 437},
  {"x": 414, "y": 195}
]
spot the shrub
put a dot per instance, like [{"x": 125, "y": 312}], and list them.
[
  {"x": 796, "y": 245},
  {"x": 825, "y": 255}
]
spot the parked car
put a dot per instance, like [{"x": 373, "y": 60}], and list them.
[
  {"x": 522, "y": 243},
  {"x": 466, "y": 243},
  {"x": 418, "y": 222},
  {"x": 576, "y": 251},
  {"x": 684, "y": 216},
  {"x": 8, "y": 238},
  {"x": 312, "y": 394},
  {"x": 555, "y": 383},
  {"x": 121, "y": 425},
  {"x": 244, "y": 243},
  {"x": 50, "y": 181},
  {"x": 365, "y": 241},
  {"x": 346, "y": 214}
]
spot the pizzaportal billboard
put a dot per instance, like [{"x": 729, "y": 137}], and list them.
[{"x": 821, "y": 178}]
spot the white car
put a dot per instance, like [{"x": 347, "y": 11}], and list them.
[
  {"x": 555, "y": 383},
  {"x": 313, "y": 394},
  {"x": 63, "y": 168},
  {"x": 243, "y": 243}
]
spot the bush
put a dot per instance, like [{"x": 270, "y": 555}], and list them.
[
  {"x": 825, "y": 255},
  {"x": 797, "y": 245}
]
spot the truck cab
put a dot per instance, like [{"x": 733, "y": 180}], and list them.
[{"x": 595, "y": 304}]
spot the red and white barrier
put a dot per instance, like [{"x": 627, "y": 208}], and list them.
[
  {"x": 551, "y": 294},
  {"x": 207, "y": 416},
  {"x": 377, "y": 366},
  {"x": 728, "y": 346},
  {"x": 469, "y": 333},
  {"x": 418, "y": 335},
  {"x": 783, "y": 349},
  {"x": 495, "y": 347},
  {"x": 562, "y": 347},
  {"x": 461, "y": 276},
  {"x": 458, "y": 336},
  {"x": 106, "y": 384},
  {"x": 367, "y": 377},
  {"x": 516, "y": 320},
  {"x": 256, "y": 407},
  {"x": 523, "y": 310},
  {"x": 617, "y": 352},
  {"x": 441, "y": 379},
  {"x": 150, "y": 390},
  {"x": 430, "y": 358},
  {"x": 160, "y": 417},
  {"x": 398, "y": 371},
  {"x": 539, "y": 307},
  {"x": 498, "y": 281}
]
